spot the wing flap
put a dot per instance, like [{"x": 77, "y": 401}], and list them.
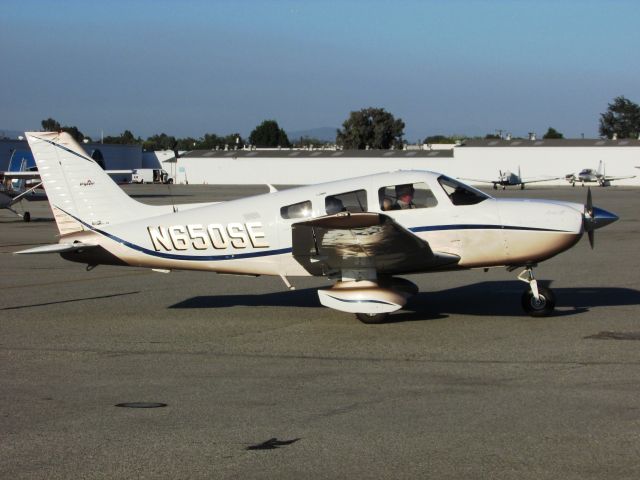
[{"x": 362, "y": 240}]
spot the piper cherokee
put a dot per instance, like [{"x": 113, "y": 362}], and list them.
[{"x": 360, "y": 232}]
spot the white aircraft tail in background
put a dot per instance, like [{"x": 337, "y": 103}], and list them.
[{"x": 360, "y": 232}]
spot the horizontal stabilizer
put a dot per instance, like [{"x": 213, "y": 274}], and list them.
[{"x": 57, "y": 248}]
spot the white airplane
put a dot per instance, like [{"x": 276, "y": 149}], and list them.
[
  {"x": 341, "y": 230},
  {"x": 511, "y": 179},
  {"x": 591, "y": 175},
  {"x": 11, "y": 195}
]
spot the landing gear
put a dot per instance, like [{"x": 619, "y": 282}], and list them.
[
  {"x": 26, "y": 216},
  {"x": 372, "y": 318},
  {"x": 537, "y": 301}
]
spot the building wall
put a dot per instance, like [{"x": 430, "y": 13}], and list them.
[
  {"x": 467, "y": 162},
  {"x": 116, "y": 157}
]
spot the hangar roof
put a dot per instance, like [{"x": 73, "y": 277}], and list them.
[
  {"x": 287, "y": 153},
  {"x": 553, "y": 142}
]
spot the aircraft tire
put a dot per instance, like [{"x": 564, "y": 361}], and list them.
[
  {"x": 372, "y": 318},
  {"x": 26, "y": 217},
  {"x": 542, "y": 308}
]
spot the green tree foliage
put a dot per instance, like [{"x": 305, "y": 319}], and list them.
[
  {"x": 552, "y": 133},
  {"x": 125, "y": 138},
  {"x": 492, "y": 136},
  {"x": 439, "y": 139},
  {"x": 622, "y": 118},
  {"x": 269, "y": 134},
  {"x": 372, "y": 127},
  {"x": 51, "y": 125},
  {"x": 160, "y": 142}
]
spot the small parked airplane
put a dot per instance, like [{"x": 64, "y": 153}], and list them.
[
  {"x": 510, "y": 179},
  {"x": 361, "y": 232},
  {"x": 25, "y": 184},
  {"x": 591, "y": 175}
]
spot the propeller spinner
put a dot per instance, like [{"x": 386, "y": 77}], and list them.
[{"x": 595, "y": 218}]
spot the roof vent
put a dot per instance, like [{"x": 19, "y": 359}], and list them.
[
  {"x": 615, "y": 136},
  {"x": 509, "y": 136},
  {"x": 532, "y": 136}
]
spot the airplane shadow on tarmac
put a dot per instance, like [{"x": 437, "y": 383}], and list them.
[{"x": 499, "y": 298}]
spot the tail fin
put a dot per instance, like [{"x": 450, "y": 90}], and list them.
[
  {"x": 78, "y": 190},
  {"x": 601, "y": 168}
]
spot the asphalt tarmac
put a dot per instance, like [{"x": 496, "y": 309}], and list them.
[{"x": 260, "y": 382}]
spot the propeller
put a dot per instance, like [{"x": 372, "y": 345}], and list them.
[
  {"x": 589, "y": 221},
  {"x": 594, "y": 218}
]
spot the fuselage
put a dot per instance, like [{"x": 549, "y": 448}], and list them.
[{"x": 253, "y": 235}]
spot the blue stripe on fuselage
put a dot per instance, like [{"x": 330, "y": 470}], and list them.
[{"x": 281, "y": 251}]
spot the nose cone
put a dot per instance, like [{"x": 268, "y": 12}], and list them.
[{"x": 601, "y": 218}]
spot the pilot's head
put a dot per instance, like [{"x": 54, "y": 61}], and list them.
[{"x": 404, "y": 193}]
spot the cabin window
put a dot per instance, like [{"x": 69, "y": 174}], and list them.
[
  {"x": 355, "y": 201},
  {"x": 297, "y": 210},
  {"x": 406, "y": 196},
  {"x": 459, "y": 193}
]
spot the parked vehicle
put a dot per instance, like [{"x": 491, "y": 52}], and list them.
[{"x": 150, "y": 175}]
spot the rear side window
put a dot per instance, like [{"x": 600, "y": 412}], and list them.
[
  {"x": 355, "y": 201},
  {"x": 406, "y": 196},
  {"x": 297, "y": 210}
]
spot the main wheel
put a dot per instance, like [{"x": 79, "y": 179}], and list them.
[
  {"x": 26, "y": 217},
  {"x": 372, "y": 318},
  {"x": 543, "y": 307}
]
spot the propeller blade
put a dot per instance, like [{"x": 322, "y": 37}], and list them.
[{"x": 588, "y": 219}]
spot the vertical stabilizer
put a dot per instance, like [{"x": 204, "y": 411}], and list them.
[{"x": 78, "y": 190}]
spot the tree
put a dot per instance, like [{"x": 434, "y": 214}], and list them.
[
  {"x": 621, "y": 118},
  {"x": 50, "y": 125},
  {"x": 159, "y": 142},
  {"x": 372, "y": 127},
  {"x": 439, "y": 139},
  {"x": 552, "y": 133},
  {"x": 125, "y": 138},
  {"x": 269, "y": 134}
]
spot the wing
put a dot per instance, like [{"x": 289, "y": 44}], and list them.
[
  {"x": 22, "y": 175},
  {"x": 537, "y": 180},
  {"x": 479, "y": 181},
  {"x": 611, "y": 179},
  {"x": 352, "y": 241}
]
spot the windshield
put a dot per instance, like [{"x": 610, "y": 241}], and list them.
[{"x": 459, "y": 193}]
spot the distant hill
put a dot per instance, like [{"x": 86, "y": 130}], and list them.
[
  {"x": 10, "y": 134},
  {"x": 327, "y": 134}
]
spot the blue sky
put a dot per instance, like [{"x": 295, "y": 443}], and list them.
[{"x": 191, "y": 67}]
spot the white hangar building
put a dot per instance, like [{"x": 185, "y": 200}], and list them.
[{"x": 481, "y": 159}]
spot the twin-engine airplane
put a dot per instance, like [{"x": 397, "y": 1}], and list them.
[
  {"x": 510, "y": 179},
  {"x": 591, "y": 175},
  {"x": 361, "y": 232}
]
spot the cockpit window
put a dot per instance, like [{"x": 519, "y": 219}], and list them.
[
  {"x": 405, "y": 196},
  {"x": 355, "y": 201},
  {"x": 297, "y": 210},
  {"x": 459, "y": 193}
]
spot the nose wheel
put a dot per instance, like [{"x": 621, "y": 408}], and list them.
[{"x": 537, "y": 301}]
